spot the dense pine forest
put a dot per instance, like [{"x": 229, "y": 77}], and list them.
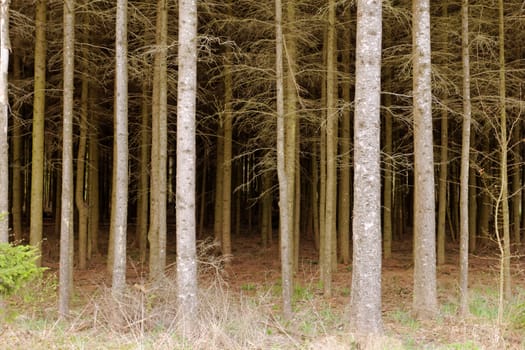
[{"x": 262, "y": 174}]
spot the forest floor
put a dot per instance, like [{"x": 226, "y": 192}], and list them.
[{"x": 240, "y": 306}]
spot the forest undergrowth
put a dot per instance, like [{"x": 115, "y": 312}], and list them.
[{"x": 240, "y": 307}]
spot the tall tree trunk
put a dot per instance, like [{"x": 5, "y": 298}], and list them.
[
  {"x": 465, "y": 162},
  {"x": 159, "y": 149},
  {"x": 66, "y": 227},
  {"x": 186, "y": 163},
  {"x": 504, "y": 195},
  {"x": 516, "y": 183},
  {"x": 80, "y": 199},
  {"x": 297, "y": 203},
  {"x": 266, "y": 209},
  {"x": 219, "y": 174},
  {"x": 322, "y": 166},
  {"x": 331, "y": 152},
  {"x": 473, "y": 204},
  {"x": 285, "y": 222},
  {"x": 17, "y": 178},
  {"x": 37, "y": 157},
  {"x": 485, "y": 201},
  {"x": 443, "y": 167},
  {"x": 365, "y": 302},
  {"x": 5, "y": 47},
  {"x": 93, "y": 196},
  {"x": 315, "y": 197},
  {"x": 388, "y": 189},
  {"x": 143, "y": 190},
  {"x": 291, "y": 123},
  {"x": 227, "y": 160},
  {"x": 119, "y": 207},
  {"x": 344, "y": 184},
  {"x": 425, "y": 286},
  {"x": 202, "y": 202}
]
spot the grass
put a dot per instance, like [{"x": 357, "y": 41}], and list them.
[
  {"x": 405, "y": 319},
  {"x": 226, "y": 321},
  {"x": 248, "y": 316},
  {"x": 235, "y": 321}
]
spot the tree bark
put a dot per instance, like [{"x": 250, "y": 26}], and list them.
[
  {"x": 331, "y": 152},
  {"x": 465, "y": 162},
  {"x": 5, "y": 47},
  {"x": 285, "y": 222},
  {"x": 290, "y": 121},
  {"x": 227, "y": 160},
  {"x": 425, "y": 286},
  {"x": 17, "y": 144},
  {"x": 37, "y": 156},
  {"x": 344, "y": 184},
  {"x": 186, "y": 164},
  {"x": 93, "y": 196},
  {"x": 504, "y": 195},
  {"x": 119, "y": 208},
  {"x": 80, "y": 199},
  {"x": 66, "y": 227},
  {"x": 143, "y": 187},
  {"x": 365, "y": 302},
  {"x": 219, "y": 174},
  {"x": 516, "y": 182},
  {"x": 443, "y": 168},
  {"x": 159, "y": 149}
]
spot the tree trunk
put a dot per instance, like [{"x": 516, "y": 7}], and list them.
[
  {"x": 202, "y": 202},
  {"x": 119, "y": 207},
  {"x": 425, "y": 287},
  {"x": 443, "y": 165},
  {"x": 473, "y": 204},
  {"x": 227, "y": 160},
  {"x": 219, "y": 174},
  {"x": 322, "y": 168},
  {"x": 93, "y": 196},
  {"x": 66, "y": 227},
  {"x": 186, "y": 164},
  {"x": 159, "y": 149},
  {"x": 285, "y": 222},
  {"x": 365, "y": 303},
  {"x": 266, "y": 209},
  {"x": 344, "y": 141},
  {"x": 37, "y": 157},
  {"x": 388, "y": 189},
  {"x": 465, "y": 162},
  {"x": 331, "y": 152},
  {"x": 504, "y": 195},
  {"x": 315, "y": 198},
  {"x": 17, "y": 144},
  {"x": 80, "y": 199},
  {"x": 5, "y": 47},
  {"x": 516, "y": 183},
  {"x": 144, "y": 159},
  {"x": 290, "y": 125}
]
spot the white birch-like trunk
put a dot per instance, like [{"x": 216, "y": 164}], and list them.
[
  {"x": 119, "y": 208},
  {"x": 4, "y": 115},
  {"x": 366, "y": 272},
  {"x": 186, "y": 163}
]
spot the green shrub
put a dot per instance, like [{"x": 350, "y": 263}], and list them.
[{"x": 17, "y": 266}]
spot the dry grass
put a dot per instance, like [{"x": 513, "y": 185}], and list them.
[{"x": 240, "y": 309}]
